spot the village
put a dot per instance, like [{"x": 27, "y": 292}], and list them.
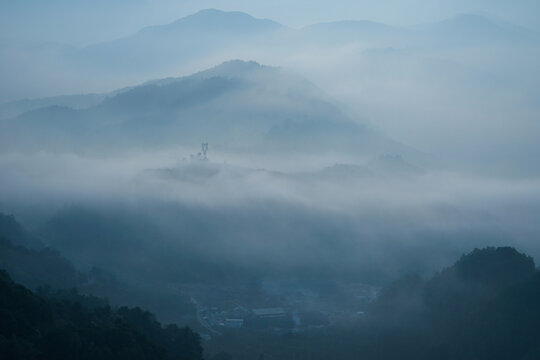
[{"x": 277, "y": 307}]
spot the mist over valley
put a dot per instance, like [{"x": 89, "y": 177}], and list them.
[{"x": 272, "y": 190}]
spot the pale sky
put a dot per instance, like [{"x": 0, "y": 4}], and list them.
[{"x": 81, "y": 22}]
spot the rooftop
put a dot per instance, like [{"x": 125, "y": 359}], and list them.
[{"x": 269, "y": 311}]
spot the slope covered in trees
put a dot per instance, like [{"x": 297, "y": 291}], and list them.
[
  {"x": 485, "y": 306},
  {"x": 66, "y": 325}
]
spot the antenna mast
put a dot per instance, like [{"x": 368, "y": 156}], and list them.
[{"x": 204, "y": 149}]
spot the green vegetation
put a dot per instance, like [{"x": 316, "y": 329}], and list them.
[
  {"x": 486, "y": 306},
  {"x": 67, "y": 325},
  {"x": 34, "y": 268},
  {"x": 46, "y": 267}
]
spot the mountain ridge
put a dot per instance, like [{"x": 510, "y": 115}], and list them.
[
  {"x": 210, "y": 36},
  {"x": 237, "y": 102},
  {"x": 221, "y": 19}
]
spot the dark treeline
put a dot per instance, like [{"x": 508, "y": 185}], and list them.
[
  {"x": 44, "y": 266},
  {"x": 66, "y": 325},
  {"x": 485, "y": 306}
]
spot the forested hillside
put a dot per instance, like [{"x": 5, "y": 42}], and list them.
[{"x": 66, "y": 325}]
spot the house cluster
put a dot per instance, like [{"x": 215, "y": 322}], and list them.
[{"x": 240, "y": 317}]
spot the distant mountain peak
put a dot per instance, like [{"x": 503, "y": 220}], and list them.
[
  {"x": 214, "y": 19},
  {"x": 241, "y": 69},
  {"x": 236, "y": 65},
  {"x": 217, "y": 12}
]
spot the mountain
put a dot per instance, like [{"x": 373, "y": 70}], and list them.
[
  {"x": 212, "y": 36},
  {"x": 35, "y": 268},
  {"x": 66, "y": 325},
  {"x": 485, "y": 306},
  {"x": 12, "y": 230},
  {"x": 235, "y": 106},
  {"x": 30, "y": 262},
  {"x": 204, "y": 34},
  {"x": 47, "y": 268},
  {"x": 15, "y": 108},
  {"x": 207, "y": 37},
  {"x": 213, "y": 20},
  {"x": 460, "y": 30}
]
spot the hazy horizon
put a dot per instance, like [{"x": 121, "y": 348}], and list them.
[{"x": 80, "y": 23}]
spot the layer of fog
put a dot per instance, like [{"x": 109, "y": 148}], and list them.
[
  {"x": 318, "y": 219},
  {"x": 472, "y": 103},
  {"x": 465, "y": 90}
]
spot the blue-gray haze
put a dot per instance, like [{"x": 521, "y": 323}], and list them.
[{"x": 346, "y": 139}]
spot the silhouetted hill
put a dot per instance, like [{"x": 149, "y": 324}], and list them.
[
  {"x": 204, "y": 34},
  {"x": 46, "y": 267},
  {"x": 236, "y": 106},
  {"x": 218, "y": 21},
  {"x": 498, "y": 292},
  {"x": 69, "y": 326},
  {"x": 210, "y": 36},
  {"x": 35, "y": 268},
  {"x": 212, "y": 32},
  {"x": 475, "y": 279},
  {"x": 474, "y": 309},
  {"x": 12, "y": 230},
  {"x": 15, "y": 108},
  {"x": 491, "y": 269}
]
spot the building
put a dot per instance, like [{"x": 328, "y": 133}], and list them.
[
  {"x": 270, "y": 313},
  {"x": 266, "y": 318}
]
